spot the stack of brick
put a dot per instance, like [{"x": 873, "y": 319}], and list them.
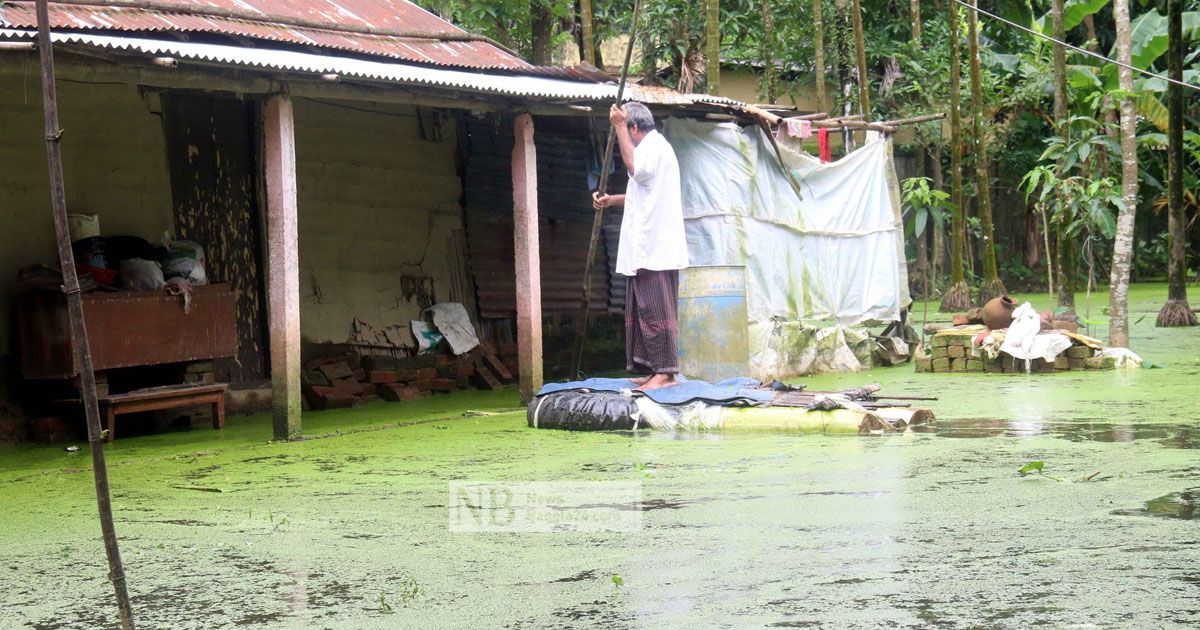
[
  {"x": 348, "y": 380},
  {"x": 200, "y": 373},
  {"x": 953, "y": 351}
]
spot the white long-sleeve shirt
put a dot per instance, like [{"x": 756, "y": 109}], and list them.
[{"x": 652, "y": 235}]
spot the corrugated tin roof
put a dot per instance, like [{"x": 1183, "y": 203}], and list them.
[
  {"x": 289, "y": 21},
  {"x": 387, "y": 71}
]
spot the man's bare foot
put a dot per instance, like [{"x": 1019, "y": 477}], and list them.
[
  {"x": 639, "y": 380},
  {"x": 658, "y": 381}
]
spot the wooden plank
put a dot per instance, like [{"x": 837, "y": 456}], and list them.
[
  {"x": 283, "y": 269},
  {"x": 166, "y": 392},
  {"x": 494, "y": 362},
  {"x": 488, "y": 378},
  {"x": 528, "y": 268}
]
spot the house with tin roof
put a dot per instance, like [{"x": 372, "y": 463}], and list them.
[{"x": 342, "y": 165}]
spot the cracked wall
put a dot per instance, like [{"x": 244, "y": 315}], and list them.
[{"x": 377, "y": 206}]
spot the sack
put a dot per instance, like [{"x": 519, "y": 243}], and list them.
[
  {"x": 452, "y": 321},
  {"x": 426, "y": 335},
  {"x": 185, "y": 259},
  {"x": 139, "y": 274},
  {"x": 581, "y": 410}
]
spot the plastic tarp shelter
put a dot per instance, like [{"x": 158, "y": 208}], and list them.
[{"x": 819, "y": 265}]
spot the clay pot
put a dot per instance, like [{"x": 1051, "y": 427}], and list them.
[{"x": 997, "y": 313}]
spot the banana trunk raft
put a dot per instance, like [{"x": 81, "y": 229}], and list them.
[{"x": 737, "y": 405}]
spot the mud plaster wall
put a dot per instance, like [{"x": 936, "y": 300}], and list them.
[
  {"x": 376, "y": 203},
  {"x": 114, "y": 165}
]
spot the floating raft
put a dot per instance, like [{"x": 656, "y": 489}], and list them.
[
  {"x": 855, "y": 411},
  {"x": 954, "y": 350}
]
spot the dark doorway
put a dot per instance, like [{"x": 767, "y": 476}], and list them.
[{"x": 211, "y": 154}]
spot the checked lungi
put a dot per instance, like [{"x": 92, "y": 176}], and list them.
[{"x": 652, "y": 322}]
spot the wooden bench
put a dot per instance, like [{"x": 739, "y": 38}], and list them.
[{"x": 168, "y": 397}]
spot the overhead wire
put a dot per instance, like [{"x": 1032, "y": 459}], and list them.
[{"x": 1077, "y": 49}]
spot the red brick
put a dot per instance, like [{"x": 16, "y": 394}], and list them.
[
  {"x": 435, "y": 384},
  {"x": 426, "y": 374},
  {"x": 397, "y": 393},
  {"x": 444, "y": 360},
  {"x": 384, "y": 377},
  {"x": 336, "y": 371},
  {"x": 348, "y": 387},
  {"x": 322, "y": 397}
]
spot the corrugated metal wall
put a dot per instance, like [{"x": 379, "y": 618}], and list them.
[{"x": 564, "y": 212}]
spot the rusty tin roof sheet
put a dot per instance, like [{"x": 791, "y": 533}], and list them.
[
  {"x": 523, "y": 84},
  {"x": 285, "y": 21}
]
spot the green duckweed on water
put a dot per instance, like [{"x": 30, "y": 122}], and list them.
[{"x": 762, "y": 530}]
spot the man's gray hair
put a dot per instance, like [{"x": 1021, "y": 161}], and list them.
[{"x": 639, "y": 115}]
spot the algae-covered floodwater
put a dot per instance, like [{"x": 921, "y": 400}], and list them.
[{"x": 762, "y": 530}]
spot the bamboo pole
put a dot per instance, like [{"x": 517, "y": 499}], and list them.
[
  {"x": 915, "y": 119},
  {"x": 79, "y": 339},
  {"x": 585, "y": 302}
]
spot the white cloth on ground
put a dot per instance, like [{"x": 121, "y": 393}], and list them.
[
  {"x": 652, "y": 235},
  {"x": 1125, "y": 357},
  {"x": 1024, "y": 341}
]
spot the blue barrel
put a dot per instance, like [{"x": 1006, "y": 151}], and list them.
[{"x": 714, "y": 339}]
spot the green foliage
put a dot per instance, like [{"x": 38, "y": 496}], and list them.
[
  {"x": 923, "y": 204},
  {"x": 506, "y": 21},
  {"x": 1031, "y": 467}
]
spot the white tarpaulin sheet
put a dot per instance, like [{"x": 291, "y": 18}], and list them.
[{"x": 834, "y": 257}]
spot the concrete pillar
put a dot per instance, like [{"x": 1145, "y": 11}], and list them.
[
  {"x": 283, "y": 264},
  {"x": 528, "y": 267}
]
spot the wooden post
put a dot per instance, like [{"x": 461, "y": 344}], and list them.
[
  {"x": 528, "y": 267},
  {"x": 283, "y": 266}
]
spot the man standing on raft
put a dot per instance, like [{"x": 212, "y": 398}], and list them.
[{"x": 652, "y": 248}]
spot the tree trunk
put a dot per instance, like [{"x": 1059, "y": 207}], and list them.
[
  {"x": 768, "y": 52},
  {"x": 1118, "y": 297},
  {"x": 937, "y": 261},
  {"x": 588, "y": 47},
  {"x": 958, "y": 296},
  {"x": 819, "y": 55},
  {"x": 864, "y": 82},
  {"x": 542, "y": 25},
  {"x": 1063, "y": 261},
  {"x": 843, "y": 34},
  {"x": 712, "y": 38},
  {"x": 914, "y": 9},
  {"x": 1110, "y": 115},
  {"x": 992, "y": 286},
  {"x": 923, "y": 275},
  {"x": 1176, "y": 311}
]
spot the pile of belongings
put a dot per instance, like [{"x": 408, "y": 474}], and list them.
[{"x": 1008, "y": 338}]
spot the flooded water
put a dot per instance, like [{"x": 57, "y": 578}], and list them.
[{"x": 759, "y": 530}]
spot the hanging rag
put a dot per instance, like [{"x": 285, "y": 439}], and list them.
[
  {"x": 823, "y": 145},
  {"x": 799, "y": 128}
]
